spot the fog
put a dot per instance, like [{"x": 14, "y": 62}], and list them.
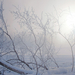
[{"x": 53, "y": 7}]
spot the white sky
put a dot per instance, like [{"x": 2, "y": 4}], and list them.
[{"x": 39, "y": 6}]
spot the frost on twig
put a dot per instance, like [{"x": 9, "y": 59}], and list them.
[{"x": 13, "y": 68}]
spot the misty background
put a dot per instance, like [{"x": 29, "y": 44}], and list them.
[{"x": 54, "y": 7}]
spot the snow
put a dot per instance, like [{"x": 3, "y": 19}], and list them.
[
  {"x": 63, "y": 70},
  {"x": 59, "y": 71},
  {"x": 65, "y": 67},
  {"x": 14, "y": 68}
]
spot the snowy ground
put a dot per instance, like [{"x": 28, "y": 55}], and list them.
[{"x": 65, "y": 67}]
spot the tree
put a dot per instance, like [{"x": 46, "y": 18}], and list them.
[
  {"x": 5, "y": 38},
  {"x": 40, "y": 37},
  {"x": 70, "y": 37},
  {"x": 33, "y": 48},
  {"x": 34, "y": 40}
]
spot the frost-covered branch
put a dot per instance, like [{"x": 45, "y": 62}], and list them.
[{"x": 14, "y": 68}]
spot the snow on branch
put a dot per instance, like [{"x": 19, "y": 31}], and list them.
[{"x": 14, "y": 68}]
